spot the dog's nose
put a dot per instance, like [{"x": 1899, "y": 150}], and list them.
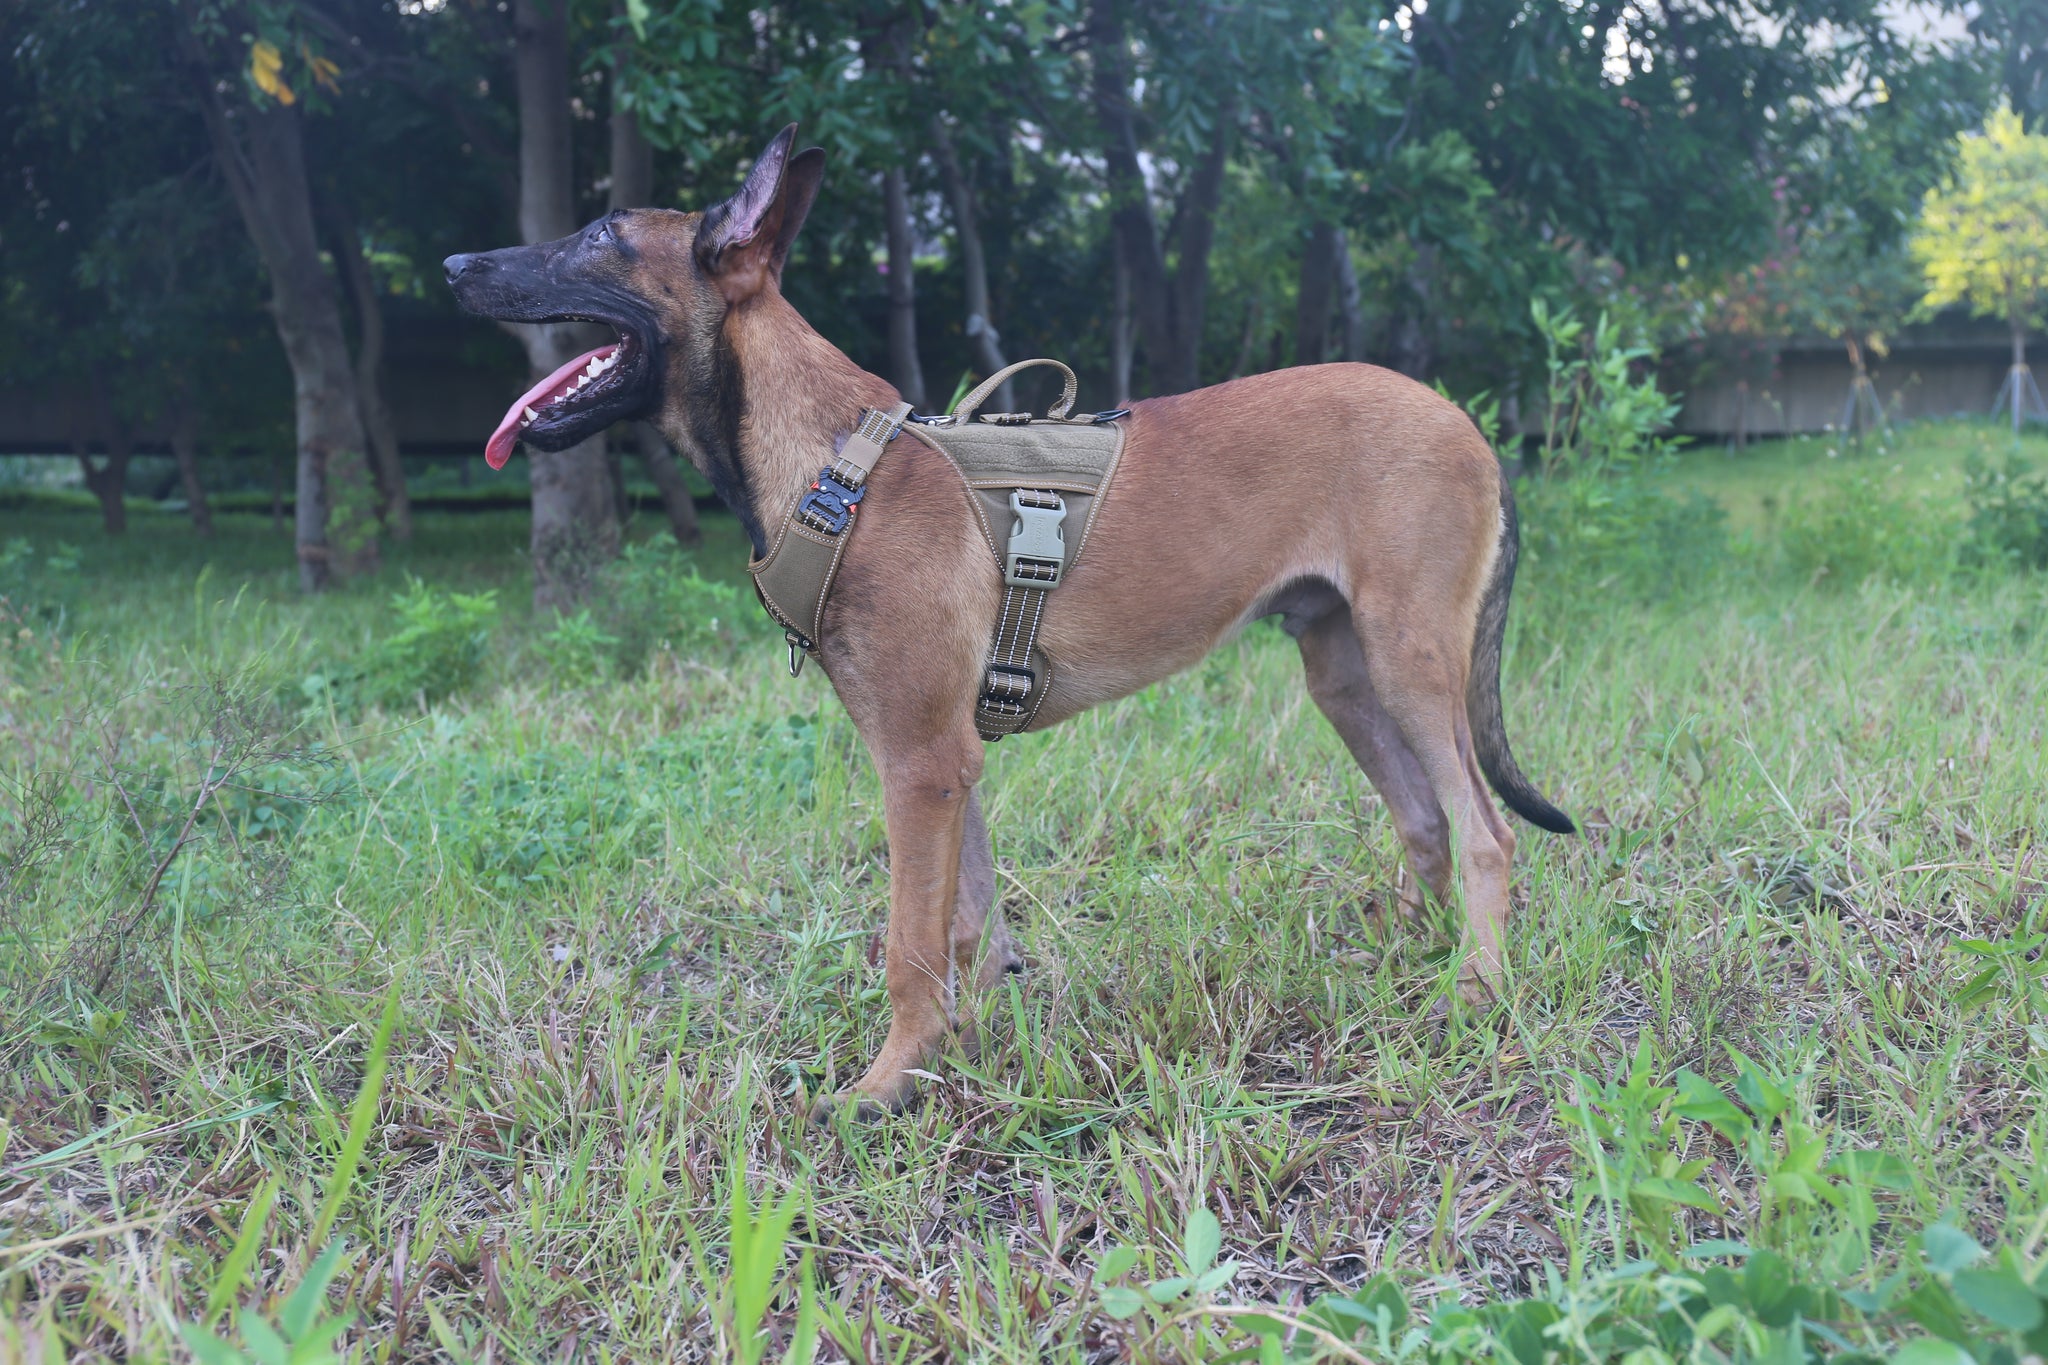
[{"x": 455, "y": 265}]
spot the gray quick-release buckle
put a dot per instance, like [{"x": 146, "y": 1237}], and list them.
[{"x": 1038, "y": 547}]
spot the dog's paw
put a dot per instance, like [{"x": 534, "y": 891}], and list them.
[
  {"x": 862, "y": 1108},
  {"x": 1476, "y": 991}
]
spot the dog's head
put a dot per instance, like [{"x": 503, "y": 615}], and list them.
[{"x": 662, "y": 280}]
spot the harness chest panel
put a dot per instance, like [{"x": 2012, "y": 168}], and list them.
[
  {"x": 1035, "y": 486},
  {"x": 1059, "y": 471}
]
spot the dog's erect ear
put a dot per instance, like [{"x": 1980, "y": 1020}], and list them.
[{"x": 744, "y": 241}]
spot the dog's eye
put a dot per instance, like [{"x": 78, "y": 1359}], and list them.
[{"x": 604, "y": 232}]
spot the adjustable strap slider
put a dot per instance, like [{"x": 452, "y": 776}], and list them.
[
  {"x": 1038, "y": 546},
  {"x": 1007, "y": 684}
]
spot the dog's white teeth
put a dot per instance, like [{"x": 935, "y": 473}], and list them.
[
  {"x": 594, "y": 368},
  {"x": 532, "y": 416}
]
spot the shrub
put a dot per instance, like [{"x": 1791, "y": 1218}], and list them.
[
  {"x": 2008, "y": 514},
  {"x": 1599, "y": 418},
  {"x": 439, "y": 649},
  {"x": 653, "y": 596},
  {"x": 1854, "y": 528},
  {"x": 1623, "y": 533},
  {"x": 577, "y": 651}
]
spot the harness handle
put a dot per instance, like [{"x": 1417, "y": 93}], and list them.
[{"x": 1058, "y": 411}]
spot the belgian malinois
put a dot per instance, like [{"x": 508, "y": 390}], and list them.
[{"x": 1355, "y": 504}]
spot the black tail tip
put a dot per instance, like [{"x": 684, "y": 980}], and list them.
[{"x": 1543, "y": 815}]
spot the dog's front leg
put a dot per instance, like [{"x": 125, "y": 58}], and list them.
[{"x": 924, "y": 799}]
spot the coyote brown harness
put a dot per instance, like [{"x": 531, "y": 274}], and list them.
[{"x": 1035, "y": 485}]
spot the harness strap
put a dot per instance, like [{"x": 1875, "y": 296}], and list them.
[
  {"x": 1032, "y": 567},
  {"x": 795, "y": 577}
]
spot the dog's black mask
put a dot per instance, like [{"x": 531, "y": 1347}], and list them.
[{"x": 585, "y": 277}]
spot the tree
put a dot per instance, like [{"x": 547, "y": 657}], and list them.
[
  {"x": 255, "y": 124},
  {"x": 1983, "y": 241},
  {"x": 575, "y": 517}
]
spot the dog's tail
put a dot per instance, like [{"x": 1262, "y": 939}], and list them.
[{"x": 1482, "y": 692}]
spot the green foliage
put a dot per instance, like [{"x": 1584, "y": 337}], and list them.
[
  {"x": 1599, "y": 417},
  {"x": 755, "y": 1243},
  {"x": 304, "y": 1333},
  {"x": 439, "y": 649},
  {"x": 576, "y": 651},
  {"x": 1627, "y": 534},
  {"x": 2008, "y": 504},
  {"x": 1644, "y": 1314},
  {"x": 1859, "y": 525},
  {"x": 1983, "y": 237},
  {"x": 654, "y": 596}
]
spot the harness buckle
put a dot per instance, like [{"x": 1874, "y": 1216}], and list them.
[
  {"x": 797, "y": 647},
  {"x": 1038, "y": 547},
  {"x": 828, "y": 507}
]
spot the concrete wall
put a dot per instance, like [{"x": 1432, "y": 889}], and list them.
[{"x": 1938, "y": 370}]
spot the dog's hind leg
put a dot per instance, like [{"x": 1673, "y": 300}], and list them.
[
  {"x": 983, "y": 950},
  {"x": 1417, "y": 667},
  {"x": 1339, "y": 683}
]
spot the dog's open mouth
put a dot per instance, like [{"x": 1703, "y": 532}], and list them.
[{"x": 589, "y": 393}]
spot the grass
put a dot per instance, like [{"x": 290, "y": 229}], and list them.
[
  {"x": 1921, "y": 461},
  {"x": 632, "y": 925}
]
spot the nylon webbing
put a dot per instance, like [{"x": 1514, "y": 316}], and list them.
[
  {"x": 851, "y": 466},
  {"x": 1007, "y": 701}
]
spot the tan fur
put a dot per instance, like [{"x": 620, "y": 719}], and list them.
[{"x": 1225, "y": 496}]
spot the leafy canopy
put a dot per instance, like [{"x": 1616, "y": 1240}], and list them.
[{"x": 1983, "y": 236}]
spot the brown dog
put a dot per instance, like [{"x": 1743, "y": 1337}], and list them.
[{"x": 1360, "y": 507}]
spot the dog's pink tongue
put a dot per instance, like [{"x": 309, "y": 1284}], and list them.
[{"x": 498, "y": 449}]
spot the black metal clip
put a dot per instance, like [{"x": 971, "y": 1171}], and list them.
[{"x": 828, "y": 507}]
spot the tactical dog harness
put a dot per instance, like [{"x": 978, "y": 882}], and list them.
[{"x": 1031, "y": 476}]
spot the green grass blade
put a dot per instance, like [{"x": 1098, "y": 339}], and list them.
[
  {"x": 235, "y": 1269},
  {"x": 363, "y": 1114}
]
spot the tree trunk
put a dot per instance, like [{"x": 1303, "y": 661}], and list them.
[
  {"x": 1195, "y": 233},
  {"x": 1169, "y": 310},
  {"x": 1348, "y": 306},
  {"x": 108, "y": 482},
  {"x": 265, "y": 168},
  {"x": 185, "y": 448},
  {"x": 1142, "y": 261},
  {"x": 575, "y": 526},
  {"x": 1122, "y": 337},
  {"x": 1254, "y": 318},
  {"x": 904, "y": 370},
  {"x": 980, "y": 327},
  {"x": 377, "y": 424},
  {"x": 1413, "y": 352},
  {"x": 2020, "y": 373},
  {"x": 1318, "y": 284},
  {"x": 632, "y": 184}
]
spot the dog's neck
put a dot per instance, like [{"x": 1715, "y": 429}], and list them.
[{"x": 764, "y": 405}]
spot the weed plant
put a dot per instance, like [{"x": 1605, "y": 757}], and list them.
[{"x": 494, "y": 1016}]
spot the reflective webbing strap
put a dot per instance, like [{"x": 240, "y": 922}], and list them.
[
  {"x": 795, "y": 577},
  {"x": 843, "y": 479},
  {"x": 1011, "y": 691}
]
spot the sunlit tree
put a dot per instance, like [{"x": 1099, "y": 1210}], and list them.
[{"x": 1983, "y": 240}]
